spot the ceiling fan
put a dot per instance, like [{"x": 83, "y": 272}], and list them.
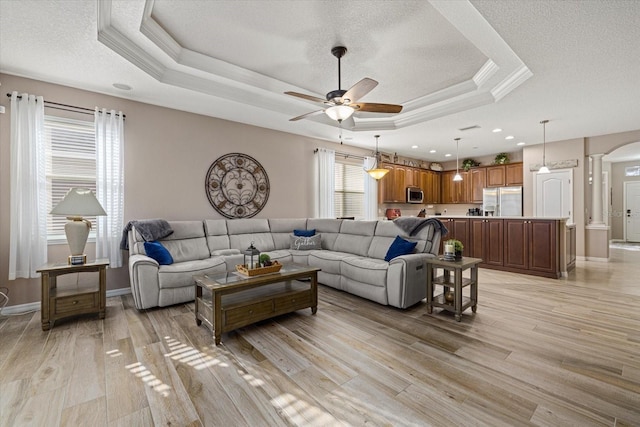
[{"x": 341, "y": 104}]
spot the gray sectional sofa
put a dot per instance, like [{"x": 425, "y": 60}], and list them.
[{"x": 351, "y": 258}]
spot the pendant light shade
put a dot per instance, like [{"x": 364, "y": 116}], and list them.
[
  {"x": 544, "y": 168},
  {"x": 375, "y": 172},
  {"x": 457, "y": 177}
]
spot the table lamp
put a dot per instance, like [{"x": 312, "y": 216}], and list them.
[{"x": 77, "y": 203}]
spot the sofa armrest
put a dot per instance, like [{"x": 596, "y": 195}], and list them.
[
  {"x": 145, "y": 287},
  {"x": 410, "y": 286}
]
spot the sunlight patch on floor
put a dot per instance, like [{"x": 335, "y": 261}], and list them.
[
  {"x": 140, "y": 371},
  {"x": 300, "y": 412},
  {"x": 186, "y": 354}
]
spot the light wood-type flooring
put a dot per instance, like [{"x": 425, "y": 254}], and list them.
[{"x": 538, "y": 352}]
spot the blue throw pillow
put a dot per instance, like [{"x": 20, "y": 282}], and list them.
[
  {"x": 399, "y": 247},
  {"x": 158, "y": 252},
  {"x": 304, "y": 233}
]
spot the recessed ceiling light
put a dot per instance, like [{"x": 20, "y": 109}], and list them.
[
  {"x": 521, "y": 143},
  {"x": 448, "y": 155},
  {"x": 496, "y": 130},
  {"x": 509, "y": 137},
  {"x": 432, "y": 151},
  {"x": 122, "y": 86},
  {"x": 414, "y": 146}
]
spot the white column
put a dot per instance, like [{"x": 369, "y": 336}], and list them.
[{"x": 596, "y": 189}]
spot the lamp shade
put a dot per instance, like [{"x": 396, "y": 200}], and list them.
[
  {"x": 377, "y": 173},
  {"x": 339, "y": 112},
  {"x": 79, "y": 202}
]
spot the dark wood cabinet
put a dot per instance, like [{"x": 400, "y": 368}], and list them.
[
  {"x": 532, "y": 245},
  {"x": 513, "y": 174},
  {"x": 458, "y": 229},
  {"x": 477, "y": 181},
  {"x": 487, "y": 240}
]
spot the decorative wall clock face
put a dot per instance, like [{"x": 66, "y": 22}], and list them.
[{"x": 237, "y": 186}]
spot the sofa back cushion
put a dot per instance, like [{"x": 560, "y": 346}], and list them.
[
  {"x": 282, "y": 229},
  {"x": 355, "y": 237},
  {"x": 187, "y": 242},
  {"x": 243, "y": 231},
  {"x": 217, "y": 235},
  {"x": 385, "y": 234},
  {"x": 328, "y": 228}
]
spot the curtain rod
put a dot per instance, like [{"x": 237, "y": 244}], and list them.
[
  {"x": 66, "y": 107},
  {"x": 338, "y": 153}
]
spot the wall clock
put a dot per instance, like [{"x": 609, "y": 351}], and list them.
[{"x": 237, "y": 186}]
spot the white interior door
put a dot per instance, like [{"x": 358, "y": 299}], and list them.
[
  {"x": 632, "y": 211},
  {"x": 553, "y": 196}
]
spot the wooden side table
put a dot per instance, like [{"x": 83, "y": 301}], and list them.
[
  {"x": 460, "y": 303},
  {"x": 72, "y": 300}
]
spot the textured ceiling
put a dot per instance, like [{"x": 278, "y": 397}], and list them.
[{"x": 452, "y": 65}]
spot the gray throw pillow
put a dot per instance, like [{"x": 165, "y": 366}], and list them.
[{"x": 301, "y": 243}]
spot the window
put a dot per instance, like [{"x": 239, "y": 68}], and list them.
[
  {"x": 632, "y": 171},
  {"x": 349, "y": 191},
  {"x": 71, "y": 162}
]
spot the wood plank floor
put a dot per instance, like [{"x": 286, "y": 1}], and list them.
[{"x": 538, "y": 352}]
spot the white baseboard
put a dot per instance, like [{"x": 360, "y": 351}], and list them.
[
  {"x": 35, "y": 306},
  {"x": 597, "y": 259}
]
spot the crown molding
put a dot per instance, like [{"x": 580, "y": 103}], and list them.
[{"x": 515, "y": 79}]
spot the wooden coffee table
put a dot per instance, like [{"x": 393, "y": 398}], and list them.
[{"x": 228, "y": 301}]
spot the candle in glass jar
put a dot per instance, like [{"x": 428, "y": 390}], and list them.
[{"x": 448, "y": 249}]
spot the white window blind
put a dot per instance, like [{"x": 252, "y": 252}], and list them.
[
  {"x": 71, "y": 162},
  {"x": 349, "y": 190}
]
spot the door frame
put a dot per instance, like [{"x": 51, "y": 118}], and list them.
[
  {"x": 625, "y": 184},
  {"x": 571, "y": 205}
]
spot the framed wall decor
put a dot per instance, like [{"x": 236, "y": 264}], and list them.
[{"x": 237, "y": 186}]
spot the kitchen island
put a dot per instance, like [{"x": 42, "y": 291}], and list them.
[{"x": 529, "y": 245}]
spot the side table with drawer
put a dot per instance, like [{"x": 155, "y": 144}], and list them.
[{"x": 58, "y": 303}]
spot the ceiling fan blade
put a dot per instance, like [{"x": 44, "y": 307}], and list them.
[
  {"x": 307, "y": 97},
  {"x": 304, "y": 116},
  {"x": 360, "y": 89},
  {"x": 376, "y": 108}
]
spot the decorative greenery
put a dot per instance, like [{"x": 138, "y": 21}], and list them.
[
  {"x": 457, "y": 244},
  {"x": 501, "y": 159},
  {"x": 265, "y": 259},
  {"x": 469, "y": 163}
]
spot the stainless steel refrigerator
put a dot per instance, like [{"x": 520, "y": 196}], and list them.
[{"x": 502, "y": 201}]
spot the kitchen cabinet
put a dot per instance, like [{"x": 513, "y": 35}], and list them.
[
  {"x": 496, "y": 176},
  {"x": 532, "y": 245},
  {"x": 527, "y": 246},
  {"x": 504, "y": 175},
  {"x": 412, "y": 177},
  {"x": 477, "y": 181},
  {"x": 486, "y": 240},
  {"x": 458, "y": 229},
  {"x": 454, "y": 191},
  {"x": 430, "y": 185},
  {"x": 392, "y": 187},
  {"x": 513, "y": 174}
]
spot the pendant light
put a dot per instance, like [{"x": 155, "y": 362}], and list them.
[
  {"x": 458, "y": 177},
  {"x": 544, "y": 168},
  {"x": 375, "y": 172}
]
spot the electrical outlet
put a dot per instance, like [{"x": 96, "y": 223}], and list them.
[{"x": 445, "y": 211}]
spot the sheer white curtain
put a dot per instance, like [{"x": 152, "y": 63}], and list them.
[
  {"x": 110, "y": 183},
  {"x": 325, "y": 187},
  {"x": 28, "y": 209},
  {"x": 370, "y": 191}
]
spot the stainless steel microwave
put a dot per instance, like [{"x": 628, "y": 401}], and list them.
[{"x": 414, "y": 195}]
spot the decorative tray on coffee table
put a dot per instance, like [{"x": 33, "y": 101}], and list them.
[{"x": 250, "y": 272}]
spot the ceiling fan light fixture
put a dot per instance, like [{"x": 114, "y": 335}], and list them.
[{"x": 339, "y": 112}]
